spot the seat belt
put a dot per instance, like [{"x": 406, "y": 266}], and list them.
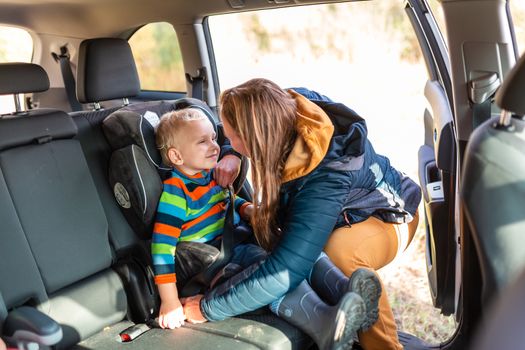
[
  {"x": 481, "y": 112},
  {"x": 67, "y": 76},
  {"x": 230, "y": 237},
  {"x": 197, "y": 83},
  {"x": 481, "y": 92}
]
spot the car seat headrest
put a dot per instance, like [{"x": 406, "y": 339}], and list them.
[
  {"x": 20, "y": 78},
  {"x": 37, "y": 127},
  {"x": 106, "y": 70},
  {"x": 135, "y": 167},
  {"x": 510, "y": 94},
  {"x": 135, "y": 124}
]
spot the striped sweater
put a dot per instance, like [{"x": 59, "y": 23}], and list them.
[{"x": 191, "y": 208}]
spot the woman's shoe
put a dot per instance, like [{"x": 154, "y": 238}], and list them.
[
  {"x": 331, "y": 327},
  {"x": 331, "y": 284}
]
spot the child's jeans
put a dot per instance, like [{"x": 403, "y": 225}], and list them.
[{"x": 193, "y": 257}]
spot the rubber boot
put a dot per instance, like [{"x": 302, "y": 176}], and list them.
[
  {"x": 331, "y": 284},
  {"x": 331, "y": 327}
]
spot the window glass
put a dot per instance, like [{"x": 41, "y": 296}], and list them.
[
  {"x": 517, "y": 10},
  {"x": 16, "y": 45},
  {"x": 158, "y": 57},
  {"x": 375, "y": 61},
  {"x": 437, "y": 12},
  {"x": 366, "y": 55}
]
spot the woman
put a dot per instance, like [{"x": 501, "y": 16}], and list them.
[{"x": 321, "y": 187}]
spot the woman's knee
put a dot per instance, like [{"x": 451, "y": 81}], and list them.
[
  {"x": 371, "y": 243},
  {"x": 339, "y": 250}
]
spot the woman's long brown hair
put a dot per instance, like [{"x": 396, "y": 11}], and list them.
[{"x": 263, "y": 115}]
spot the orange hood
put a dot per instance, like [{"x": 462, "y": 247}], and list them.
[{"x": 314, "y": 132}]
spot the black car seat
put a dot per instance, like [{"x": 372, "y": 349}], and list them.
[
  {"x": 493, "y": 187},
  {"x": 136, "y": 171}
]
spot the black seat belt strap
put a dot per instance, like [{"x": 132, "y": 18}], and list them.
[
  {"x": 204, "y": 278},
  {"x": 481, "y": 92},
  {"x": 197, "y": 83},
  {"x": 481, "y": 112},
  {"x": 67, "y": 76}
]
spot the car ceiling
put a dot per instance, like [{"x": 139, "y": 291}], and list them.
[{"x": 100, "y": 18}]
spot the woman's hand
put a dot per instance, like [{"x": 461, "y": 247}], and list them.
[
  {"x": 192, "y": 309},
  {"x": 171, "y": 314},
  {"x": 247, "y": 213},
  {"x": 227, "y": 170}
]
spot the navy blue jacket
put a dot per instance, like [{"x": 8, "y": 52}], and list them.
[{"x": 348, "y": 184}]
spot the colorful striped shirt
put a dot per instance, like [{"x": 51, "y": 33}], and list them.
[{"x": 191, "y": 208}]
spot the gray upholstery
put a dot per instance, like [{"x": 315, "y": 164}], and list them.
[
  {"x": 19, "y": 78},
  {"x": 20, "y": 280},
  {"x": 97, "y": 153},
  {"x": 58, "y": 206},
  {"x": 510, "y": 95},
  {"x": 255, "y": 332},
  {"x": 106, "y": 70},
  {"x": 493, "y": 190},
  {"x": 502, "y": 325},
  {"x": 87, "y": 307},
  {"x": 39, "y": 126}
]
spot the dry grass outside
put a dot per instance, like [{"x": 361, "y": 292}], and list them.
[{"x": 406, "y": 283}]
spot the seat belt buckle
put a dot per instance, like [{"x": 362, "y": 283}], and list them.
[{"x": 131, "y": 333}]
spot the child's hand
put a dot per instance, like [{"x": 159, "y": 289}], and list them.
[
  {"x": 248, "y": 212},
  {"x": 171, "y": 314}
]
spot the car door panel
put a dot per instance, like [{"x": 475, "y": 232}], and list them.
[{"x": 436, "y": 176}]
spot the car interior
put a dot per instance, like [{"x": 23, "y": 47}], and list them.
[{"x": 80, "y": 176}]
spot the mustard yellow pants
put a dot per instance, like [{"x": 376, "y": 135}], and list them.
[{"x": 372, "y": 244}]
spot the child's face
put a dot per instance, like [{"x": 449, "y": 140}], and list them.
[{"x": 197, "y": 147}]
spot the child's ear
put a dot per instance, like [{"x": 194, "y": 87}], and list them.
[{"x": 175, "y": 157}]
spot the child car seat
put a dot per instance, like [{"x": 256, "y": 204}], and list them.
[{"x": 136, "y": 172}]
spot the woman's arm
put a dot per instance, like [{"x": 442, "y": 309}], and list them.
[{"x": 311, "y": 217}]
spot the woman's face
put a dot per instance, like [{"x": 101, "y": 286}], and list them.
[{"x": 235, "y": 140}]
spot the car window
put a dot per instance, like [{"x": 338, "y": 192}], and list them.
[
  {"x": 314, "y": 46},
  {"x": 439, "y": 17},
  {"x": 158, "y": 57},
  {"x": 16, "y": 45},
  {"x": 517, "y": 10}
]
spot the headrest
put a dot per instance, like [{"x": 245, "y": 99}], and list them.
[
  {"x": 20, "y": 78},
  {"x": 106, "y": 70},
  {"x": 135, "y": 124},
  {"x": 510, "y": 94},
  {"x": 40, "y": 126}
]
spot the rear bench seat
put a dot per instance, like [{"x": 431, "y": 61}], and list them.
[{"x": 58, "y": 252}]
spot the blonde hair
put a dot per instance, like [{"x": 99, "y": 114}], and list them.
[
  {"x": 169, "y": 127},
  {"x": 264, "y": 116}
]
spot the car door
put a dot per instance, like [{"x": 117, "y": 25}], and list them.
[{"x": 437, "y": 160}]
